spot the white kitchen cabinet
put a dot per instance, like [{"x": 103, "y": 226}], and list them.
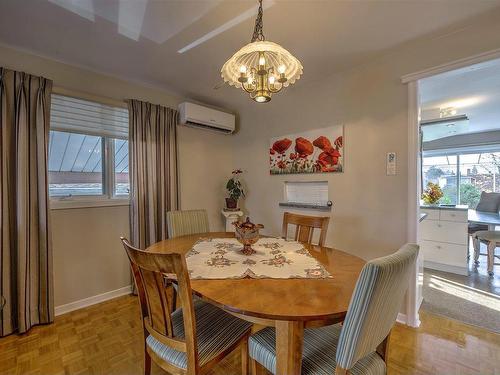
[{"x": 443, "y": 239}]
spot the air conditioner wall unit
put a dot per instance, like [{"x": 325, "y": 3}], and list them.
[{"x": 199, "y": 116}]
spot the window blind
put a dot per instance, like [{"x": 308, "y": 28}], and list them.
[
  {"x": 307, "y": 192},
  {"x": 83, "y": 116}
]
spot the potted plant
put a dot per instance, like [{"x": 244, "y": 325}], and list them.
[
  {"x": 432, "y": 194},
  {"x": 235, "y": 190}
]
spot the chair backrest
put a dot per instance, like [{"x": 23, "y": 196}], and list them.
[
  {"x": 489, "y": 202},
  {"x": 304, "y": 227},
  {"x": 181, "y": 223},
  {"x": 149, "y": 271},
  {"x": 374, "y": 306}
]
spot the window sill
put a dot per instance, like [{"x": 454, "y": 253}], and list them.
[
  {"x": 66, "y": 204},
  {"x": 306, "y": 206}
]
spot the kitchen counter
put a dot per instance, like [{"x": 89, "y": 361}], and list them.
[{"x": 457, "y": 207}]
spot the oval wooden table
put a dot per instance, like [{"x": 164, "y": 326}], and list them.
[{"x": 289, "y": 305}]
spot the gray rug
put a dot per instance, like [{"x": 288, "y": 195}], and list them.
[{"x": 456, "y": 297}]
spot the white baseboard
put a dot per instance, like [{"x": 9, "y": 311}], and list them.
[
  {"x": 403, "y": 319},
  {"x": 446, "y": 268},
  {"x": 72, "y": 306}
]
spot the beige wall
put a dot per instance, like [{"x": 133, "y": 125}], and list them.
[
  {"x": 369, "y": 212},
  {"x": 369, "y": 216},
  {"x": 88, "y": 258}
]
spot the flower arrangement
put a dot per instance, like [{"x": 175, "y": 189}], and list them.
[
  {"x": 234, "y": 189},
  {"x": 432, "y": 194},
  {"x": 320, "y": 155}
]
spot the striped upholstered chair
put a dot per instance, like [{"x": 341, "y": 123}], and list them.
[
  {"x": 191, "y": 339},
  {"x": 360, "y": 345},
  {"x": 181, "y": 223}
]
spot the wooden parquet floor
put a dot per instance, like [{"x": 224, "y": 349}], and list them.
[{"x": 107, "y": 339}]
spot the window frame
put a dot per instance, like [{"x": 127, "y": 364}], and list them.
[
  {"x": 493, "y": 148},
  {"x": 108, "y": 196}
]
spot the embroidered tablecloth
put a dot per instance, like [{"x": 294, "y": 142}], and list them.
[{"x": 220, "y": 258}]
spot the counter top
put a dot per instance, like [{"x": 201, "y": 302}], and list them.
[{"x": 457, "y": 207}]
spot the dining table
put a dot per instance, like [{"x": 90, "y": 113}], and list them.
[
  {"x": 491, "y": 219},
  {"x": 289, "y": 305}
]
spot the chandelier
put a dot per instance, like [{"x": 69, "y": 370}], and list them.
[{"x": 261, "y": 68}]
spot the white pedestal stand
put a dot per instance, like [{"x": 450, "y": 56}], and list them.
[{"x": 231, "y": 216}]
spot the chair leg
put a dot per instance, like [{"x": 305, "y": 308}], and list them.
[
  {"x": 244, "y": 357},
  {"x": 257, "y": 368},
  {"x": 477, "y": 246},
  {"x": 147, "y": 362},
  {"x": 491, "y": 256}
]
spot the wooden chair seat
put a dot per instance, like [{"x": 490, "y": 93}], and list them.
[
  {"x": 216, "y": 332},
  {"x": 319, "y": 351},
  {"x": 189, "y": 340}
]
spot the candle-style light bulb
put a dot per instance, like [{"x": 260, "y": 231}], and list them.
[
  {"x": 271, "y": 80},
  {"x": 281, "y": 69},
  {"x": 243, "y": 69},
  {"x": 262, "y": 60}
]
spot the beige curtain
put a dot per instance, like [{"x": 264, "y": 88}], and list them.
[
  {"x": 26, "y": 249},
  {"x": 153, "y": 170}
]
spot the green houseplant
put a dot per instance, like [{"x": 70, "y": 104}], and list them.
[{"x": 234, "y": 189}]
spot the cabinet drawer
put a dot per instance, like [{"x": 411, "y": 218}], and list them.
[
  {"x": 444, "y": 253},
  {"x": 444, "y": 231},
  {"x": 454, "y": 215},
  {"x": 432, "y": 214}
]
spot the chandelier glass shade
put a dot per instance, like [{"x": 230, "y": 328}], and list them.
[{"x": 261, "y": 68}]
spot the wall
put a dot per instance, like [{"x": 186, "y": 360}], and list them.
[
  {"x": 88, "y": 257},
  {"x": 369, "y": 216}
]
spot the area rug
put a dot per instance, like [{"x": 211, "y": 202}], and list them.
[{"x": 449, "y": 295}]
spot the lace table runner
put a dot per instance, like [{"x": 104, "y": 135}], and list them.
[{"x": 220, "y": 258}]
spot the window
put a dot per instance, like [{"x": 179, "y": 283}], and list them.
[
  {"x": 312, "y": 194},
  {"x": 88, "y": 150},
  {"x": 463, "y": 175}
]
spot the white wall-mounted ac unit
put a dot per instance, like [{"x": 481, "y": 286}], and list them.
[{"x": 199, "y": 116}]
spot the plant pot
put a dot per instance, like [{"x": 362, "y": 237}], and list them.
[{"x": 231, "y": 203}]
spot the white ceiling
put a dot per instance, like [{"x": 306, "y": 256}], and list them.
[
  {"x": 474, "y": 91},
  {"x": 139, "y": 39}
]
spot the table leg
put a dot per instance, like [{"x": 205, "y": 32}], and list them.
[{"x": 289, "y": 341}]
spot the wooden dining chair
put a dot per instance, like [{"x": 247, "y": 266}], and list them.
[
  {"x": 182, "y": 223},
  {"x": 360, "y": 345},
  {"x": 304, "y": 227},
  {"x": 191, "y": 339}
]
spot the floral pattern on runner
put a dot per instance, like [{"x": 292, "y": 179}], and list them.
[
  {"x": 221, "y": 258},
  {"x": 277, "y": 261}
]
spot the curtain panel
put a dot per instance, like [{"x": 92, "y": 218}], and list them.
[
  {"x": 153, "y": 171},
  {"x": 26, "y": 282}
]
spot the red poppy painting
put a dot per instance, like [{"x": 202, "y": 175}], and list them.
[{"x": 313, "y": 151}]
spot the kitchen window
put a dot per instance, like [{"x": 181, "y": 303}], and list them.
[
  {"x": 463, "y": 175},
  {"x": 88, "y": 153}
]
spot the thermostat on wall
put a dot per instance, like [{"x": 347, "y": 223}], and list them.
[{"x": 391, "y": 164}]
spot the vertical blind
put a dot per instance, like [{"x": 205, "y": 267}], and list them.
[
  {"x": 307, "y": 192},
  {"x": 74, "y": 115}
]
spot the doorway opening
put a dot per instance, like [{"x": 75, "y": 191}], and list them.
[{"x": 459, "y": 166}]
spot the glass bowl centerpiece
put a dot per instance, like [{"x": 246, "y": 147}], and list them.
[{"x": 247, "y": 233}]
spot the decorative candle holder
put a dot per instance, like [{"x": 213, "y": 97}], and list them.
[{"x": 247, "y": 233}]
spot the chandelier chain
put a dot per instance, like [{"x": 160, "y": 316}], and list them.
[{"x": 258, "y": 34}]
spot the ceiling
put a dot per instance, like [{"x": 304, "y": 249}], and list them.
[
  {"x": 139, "y": 40},
  {"x": 473, "y": 91}
]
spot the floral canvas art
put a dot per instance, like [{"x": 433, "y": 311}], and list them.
[{"x": 313, "y": 151}]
